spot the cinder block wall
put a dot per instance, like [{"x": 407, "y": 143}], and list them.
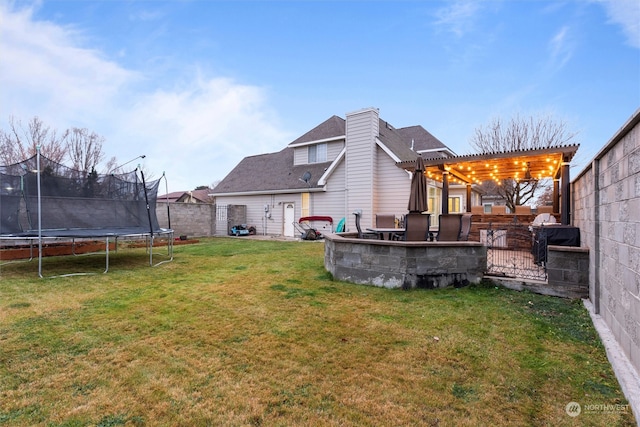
[
  {"x": 407, "y": 265},
  {"x": 188, "y": 219},
  {"x": 568, "y": 271},
  {"x": 606, "y": 200}
]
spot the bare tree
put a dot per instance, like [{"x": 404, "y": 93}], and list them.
[
  {"x": 19, "y": 142},
  {"x": 520, "y": 133},
  {"x": 546, "y": 198},
  {"x": 84, "y": 149},
  {"x": 111, "y": 165}
]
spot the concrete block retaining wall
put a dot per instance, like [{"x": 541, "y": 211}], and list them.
[
  {"x": 567, "y": 274},
  {"x": 568, "y": 271},
  {"x": 407, "y": 265}
]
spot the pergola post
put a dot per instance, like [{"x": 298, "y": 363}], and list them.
[
  {"x": 445, "y": 192},
  {"x": 468, "y": 197},
  {"x": 565, "y": 209},
  {"x": 556, "y": 195}
]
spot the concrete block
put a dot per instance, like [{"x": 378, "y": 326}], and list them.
[
  {"x": 630, "y": 280},
  {"x": 634, "y": 162},
  {"x": 554, "y": 276},
  {"x": 572, "y": 277}
]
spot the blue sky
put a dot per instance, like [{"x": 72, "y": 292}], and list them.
[{"x": 197, "y": 85}]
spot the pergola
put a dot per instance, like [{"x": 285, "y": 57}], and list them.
[{"x": 522, "y": 165}]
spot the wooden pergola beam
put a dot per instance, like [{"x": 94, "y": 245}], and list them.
[{"x": 541, "y": 163}]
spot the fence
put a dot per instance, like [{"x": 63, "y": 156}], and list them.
[{"x": 514, "y": 250}]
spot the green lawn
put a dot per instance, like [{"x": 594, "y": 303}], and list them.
[{"x": 240, "y": 332}]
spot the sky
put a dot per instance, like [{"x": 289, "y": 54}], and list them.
[{"x": 197, "y": 85}]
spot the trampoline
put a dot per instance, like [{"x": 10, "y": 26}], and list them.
[{"x": 42, "y": 201}]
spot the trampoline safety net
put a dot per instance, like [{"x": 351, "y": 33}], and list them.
[{"x": 73, "y": 203}]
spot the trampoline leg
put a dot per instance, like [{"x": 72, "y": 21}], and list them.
[
  {"x": 107, "y": 256},
  {"x": 169, "y": 250}
]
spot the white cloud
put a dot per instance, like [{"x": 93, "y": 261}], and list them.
[
  {"x": 44, "y": 71},
  {"x": 561, "y": 47},
  {"x": 458, "y": 17},
  {"x": 195, "y": 132},
  {"x": 200, "y": 132},
  {"x": 625, "y": 13}
]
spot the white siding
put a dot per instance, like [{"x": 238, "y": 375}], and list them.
[
  {"x": 392, "y": 185},
  {"x": 300, "y": 155},
  {"x": 332, "y": 202},
  {"x": 264, "y": 224},
  {"x": 333, "y": 149},
  {"x": 361, "y": 130}
]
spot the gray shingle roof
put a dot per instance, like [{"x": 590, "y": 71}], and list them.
[
  {"x": 422, "y": 139},
  {"x": 399, "y": 140},
  {"x": 273, "y": 171},
  {"x": 276, "y": 172},
  {"x": 333, "y": 127}
]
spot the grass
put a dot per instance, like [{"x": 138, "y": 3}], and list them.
[{"x": 238, "y": 332}]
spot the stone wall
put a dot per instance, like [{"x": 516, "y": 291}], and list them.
[
  {"x": 606, "y": 200},
  {"x": 188, "y": 219},
  {"x": 398, "y": 264}
]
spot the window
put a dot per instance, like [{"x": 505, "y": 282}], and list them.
[
  {"x": 305, "y": 205},
  {"x": 454, "y": 204},
  {"x": 317, "y": 153},
  {"x": 487, "y": 207}
]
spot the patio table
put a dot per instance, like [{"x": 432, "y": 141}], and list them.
[{"x": 382, "y": 231}]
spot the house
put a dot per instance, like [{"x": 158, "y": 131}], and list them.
[
  {"x": 337, "y": 167},
  {"x": 193, "y": 196}
]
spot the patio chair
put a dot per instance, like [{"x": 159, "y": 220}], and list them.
[
  {"x": 449, "y": 227},
  {"x": 387, "y": 221},
  {"x": 416, "y": 227},
  {"x": 361, "y": 234},
  {"x": 465, "y": 227}
]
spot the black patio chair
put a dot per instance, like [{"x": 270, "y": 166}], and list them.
[
  {"x": 361, "y": 234},
  {"x": 416, "y": 227},
  {"x": 449, "y": 227},
  {"x": 387, "y": 221},
  {"x": 465, "y": 227}
]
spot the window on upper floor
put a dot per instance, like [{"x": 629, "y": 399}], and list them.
[{"x": 317, "y": 153}]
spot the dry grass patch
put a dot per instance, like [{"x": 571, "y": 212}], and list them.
[{"x": 237, "y": 332}]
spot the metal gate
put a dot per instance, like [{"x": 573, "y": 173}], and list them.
[{"x": 510, "y": 248}]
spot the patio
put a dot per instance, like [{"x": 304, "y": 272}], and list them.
[{"x": 434, "y": 264}]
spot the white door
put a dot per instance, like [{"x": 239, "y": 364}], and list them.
[{"x": 289, "y": 218}]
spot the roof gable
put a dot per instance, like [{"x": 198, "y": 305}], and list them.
[
  {"x": 420, "y": 138},
  {"x": 181, "y": 196},
  {"x": 333, "y": 127},
  {"x": 393, "y": 140},
  {"x": 406, "y": 142}
]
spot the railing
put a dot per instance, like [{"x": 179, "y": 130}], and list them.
[{"x": 510, "y": 251}]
